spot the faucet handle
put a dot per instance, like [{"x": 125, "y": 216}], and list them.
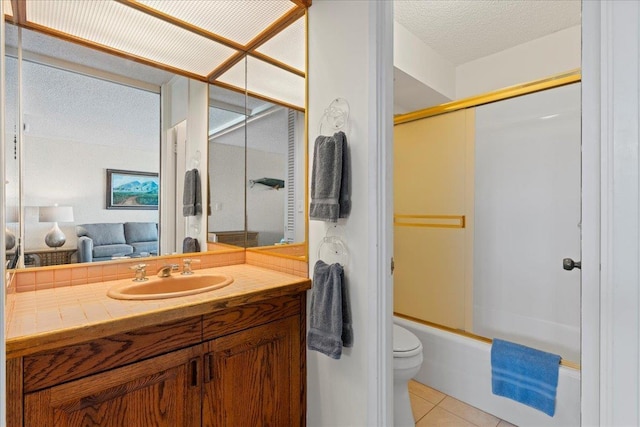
[
  {"x": 141, "y": 272},
  {"x": 186, "y": 265}
]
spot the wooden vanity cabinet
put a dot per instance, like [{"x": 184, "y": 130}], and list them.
[
  {"x": 247, "y": 368},
  {"x": 162, "y": 391},
  {"x": 252, "y": 378}
]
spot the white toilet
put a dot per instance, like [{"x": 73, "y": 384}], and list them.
[{"x": 407, "y": 359}]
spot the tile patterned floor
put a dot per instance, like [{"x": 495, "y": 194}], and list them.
[{"x": 433, "y": 408}]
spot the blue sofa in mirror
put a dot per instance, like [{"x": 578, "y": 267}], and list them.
[{"x": 106, "y": 241}]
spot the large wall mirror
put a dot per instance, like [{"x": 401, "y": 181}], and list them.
[
  {"x": 90, "y": 134},
  {"x": 256, "y": 161},
  {"x": 93, "y": 127},
  {"x": 257, "y": 151}
]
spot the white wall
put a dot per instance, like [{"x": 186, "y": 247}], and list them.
[
  {"x": 74, "y": 174},
  {"x": 265, "y": 206},
  {"x": 553, "y": 54},
  {"x": 423, "y": 63},
  {"x": 226, "y": 177},
  {"x": 345, "y": 54},
  {"x": 615, "y": 35},
  {"x": 76, "y": 128}
]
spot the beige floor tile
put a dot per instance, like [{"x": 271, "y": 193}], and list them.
[
  {"x": 469, "y": 413},
  {"x": 430, "y": 394},
  {"x": 504, "y": 423},
  {"x": 438, "y": 417},
  {"x": 419, "y": 406}
]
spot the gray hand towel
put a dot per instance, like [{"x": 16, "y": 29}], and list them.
[
  {"x": 326, "y": 177},
  {"x": 345, "y": 184},
  {"x": 330, "y": 317},
  {"x": 191, "y": 198},
  {"x": 190, "y": 244}
]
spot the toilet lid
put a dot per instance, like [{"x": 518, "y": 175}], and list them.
[{"x": 405, "y": 344}]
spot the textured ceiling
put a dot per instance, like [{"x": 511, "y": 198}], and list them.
[
  {"x": 464, "y": 30},
  {"x": 74, "y": 53}
]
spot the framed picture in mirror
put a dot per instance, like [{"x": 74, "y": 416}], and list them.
[{"x": 131, "y": 189}]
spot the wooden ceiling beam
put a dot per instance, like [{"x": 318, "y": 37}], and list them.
[
  {"x": 182, "y": 24},
  {"x": 273, "y": 29},
  {"x": 279, "y": 64},
  {"x": 20, "y": 19},
  {"x": 226, "y": 66},
  {"x": 112, "y": 51},
  {"x": 19, "y": 11},
  {"x": 266, "y": 35},
  {"x": 302, "y": 3},
  {"x": 257, "y": 96}
]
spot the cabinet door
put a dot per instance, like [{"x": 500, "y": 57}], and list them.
[
  {"x": 253, "y": 377},
  {"x": 162, "y": 391}
]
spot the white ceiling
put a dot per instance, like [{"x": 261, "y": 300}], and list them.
[
  {"x": 464, "y": 30},
  {"x": 52, "y": 47}
]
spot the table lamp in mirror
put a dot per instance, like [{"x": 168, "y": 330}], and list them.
[{"x": 55, "y": 214}]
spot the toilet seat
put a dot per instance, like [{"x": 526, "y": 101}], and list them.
[{"x": 405, "y": 344}]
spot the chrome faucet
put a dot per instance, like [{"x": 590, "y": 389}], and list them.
[
  {"x": 186, "y": 266},
  {"x": 141, "y": 272},
  {"x": 165, "y": 270}
]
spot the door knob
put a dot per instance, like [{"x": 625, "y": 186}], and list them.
[{"x": 569, "y": 264}]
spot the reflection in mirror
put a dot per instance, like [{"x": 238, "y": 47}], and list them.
[
  {"x": 275, "y": 157},
  {"x": 82, "y": 116},
  {"x": 12, "y": 229},
  {"x": 226, "y": 222},
  {"x": 269, "y": 141}
]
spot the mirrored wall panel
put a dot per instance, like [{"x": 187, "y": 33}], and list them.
[
  {"x": 89, "y": 173},
  {"x": 256, "y": 156}
]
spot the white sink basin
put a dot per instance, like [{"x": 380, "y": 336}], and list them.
[{"x": 169, "y": 287}]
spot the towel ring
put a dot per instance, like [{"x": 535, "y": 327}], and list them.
[
  {"x": 335, "y": 117},
  {"x": 195, "y": 160},
  {"x": 335, "y": 251}
]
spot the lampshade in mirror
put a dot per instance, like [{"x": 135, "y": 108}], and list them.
[{"x": 55, "y": 237}]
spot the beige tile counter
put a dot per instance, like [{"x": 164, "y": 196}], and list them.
[{"x": 49, "y": 318}]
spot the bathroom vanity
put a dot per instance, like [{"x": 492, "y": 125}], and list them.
[{"x": 230, "y": 357}]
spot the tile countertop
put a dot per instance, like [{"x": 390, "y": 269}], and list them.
[{"x": 50, "y": 318}]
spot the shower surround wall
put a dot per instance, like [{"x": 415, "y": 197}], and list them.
[{"x": 527, "y": 219}]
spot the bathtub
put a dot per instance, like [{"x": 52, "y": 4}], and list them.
[{"x": 461, "y": 367}]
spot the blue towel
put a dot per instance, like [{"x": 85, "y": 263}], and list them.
[{"x": 525, "y": 375}]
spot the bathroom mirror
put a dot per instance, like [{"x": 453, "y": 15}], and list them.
[
  {"x": 78, "y": 73},
  {"x": 257, "y": 158},
  {"x": 257, "y": 150},
  {"x": 85, "y": 113}
]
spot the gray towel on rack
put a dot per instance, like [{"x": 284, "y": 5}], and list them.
[
  {"x": 345, "y": 185},
  {"x": 191, "y": 198},
  {"x": 190, "y": 244},
  {"x": 330, "y": 171},
  {"x": 330, "y": 317}
]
